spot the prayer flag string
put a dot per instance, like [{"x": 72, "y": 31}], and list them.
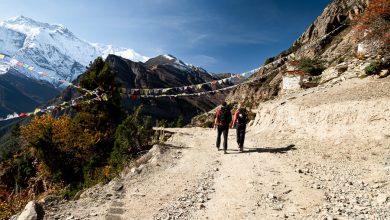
[{"x": 134, "y": 94}]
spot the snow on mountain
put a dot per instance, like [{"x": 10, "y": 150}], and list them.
[
  {"x": 53, "y": 49},
  {"x": 130, "y": 54},
  {"x": 170, "y": 60}
]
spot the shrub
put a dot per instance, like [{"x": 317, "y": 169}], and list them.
[
  {"x": 131, "y": 136},
  {"x": 208, "y": 124},
  {"x": 269, "y": 60},
  {"x": 373, "y": 68},
  {"x": 313, "y": 67},
  {"x": 180, "y": 122},
  {"x": 11, "y": 144},
  {"x": 361, "y": 56}
]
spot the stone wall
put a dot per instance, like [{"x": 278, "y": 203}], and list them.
[{"x": 291, "y": 82}]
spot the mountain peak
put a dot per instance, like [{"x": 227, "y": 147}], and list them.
[
  {"x": 53, "y": 49},
  {"x": 29, "y": 22},
  {"x": 165, "y": 59},
  {"x": 169, "y": 57}
]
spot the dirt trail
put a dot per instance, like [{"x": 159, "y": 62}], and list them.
[
  {"x": 239, "y": 184},
  {"x": 281, "y": 174}
]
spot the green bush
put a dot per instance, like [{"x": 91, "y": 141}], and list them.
[
  {"x": 180, "y": 122},
  {"x": 269, "y": 60},
  {"x": 24, "y": 169},
  {"x": 208, "y": 124},
  {"x": 131, "y": 136},
  {"x": 11, "y": 144},
  {"x": 313, "y": 67},
  {"x": 373, "y": 68}
]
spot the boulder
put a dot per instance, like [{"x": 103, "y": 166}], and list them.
[
  {"x": 384, "y": 73},
  {"x": 32, "y": 211},
  {"x": 382, "y": 198}
]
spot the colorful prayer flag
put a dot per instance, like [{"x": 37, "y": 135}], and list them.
[
  {"x": 37, "y": 110},
  {"x": 2, "y": 56},
  {"x": 134, "y": 97},
  {"x": 105, "y": 97},
  {"x": 31, "y": 68}
]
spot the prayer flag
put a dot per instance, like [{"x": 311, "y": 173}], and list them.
[
  {"x": 134, "y": 97},
  {"x": 37, "y": 110},
  {"x": 105, "y": 97},
  {"x": 31, "y": 68},
  {"x": 13, "y": 62},
  {"x": 2, "y": 56}
]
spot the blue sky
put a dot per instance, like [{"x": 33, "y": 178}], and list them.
[{"x": 219, "y": 35}]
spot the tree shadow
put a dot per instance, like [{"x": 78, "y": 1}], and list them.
[{"x": 272, "y": 150}]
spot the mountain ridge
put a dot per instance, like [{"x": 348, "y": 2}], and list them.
[
  {"x": 152, "y": 75},
  {"x": 53, "y": 48}
]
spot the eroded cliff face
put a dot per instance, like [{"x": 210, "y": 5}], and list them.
[
  {"x": 330, "y": 39},
  {"x": 330, "y": 34}
]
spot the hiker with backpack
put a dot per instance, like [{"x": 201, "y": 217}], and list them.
[
  {"x": 222, "y": 122},
  {"x": 239, "y": 121}
]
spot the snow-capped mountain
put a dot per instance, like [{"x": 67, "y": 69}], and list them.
[
  {"x": 170, "y": 60},
  {"x": 52, "y": 49}
]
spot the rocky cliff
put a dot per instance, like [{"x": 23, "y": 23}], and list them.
[
  {"x": 330, "y": 40},
  {"x": 165, "y": 71}
]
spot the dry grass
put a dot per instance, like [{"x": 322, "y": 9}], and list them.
[{"x": 12, "y": 204}]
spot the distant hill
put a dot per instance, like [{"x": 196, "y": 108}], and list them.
[
  {"x": 22, "y": 94},
  {"x": 165, "y": 71}
]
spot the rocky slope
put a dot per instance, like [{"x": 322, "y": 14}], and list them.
[
  {"x": 165, "y": 71},
  {"x": 330, "y": 39},
  {"x": 22, "y": 94},
  {"x": 336, "y": 19},
  {"x": 319, "y": 154}
]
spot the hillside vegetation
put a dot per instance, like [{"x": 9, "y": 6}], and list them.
[
  {"x": 65, "y": 154},
  {"x": 320, "y": 152}
]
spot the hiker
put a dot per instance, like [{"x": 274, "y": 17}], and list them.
[
  {"x": 239, "y": 121},
  {"x": 222, "y": 122}
]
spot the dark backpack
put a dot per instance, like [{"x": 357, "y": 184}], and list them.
[
  {"x": 242, "y": 117},
  {"x": 225, "y": 116}
]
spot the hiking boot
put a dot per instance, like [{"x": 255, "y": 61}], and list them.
[
  {"x": 224, "y": 152},
  {"x": 241, "y": 149}
]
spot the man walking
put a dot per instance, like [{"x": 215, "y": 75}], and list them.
[
  {"x": 239, "y": 121},
  {"x": 222, "y": 122}
]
